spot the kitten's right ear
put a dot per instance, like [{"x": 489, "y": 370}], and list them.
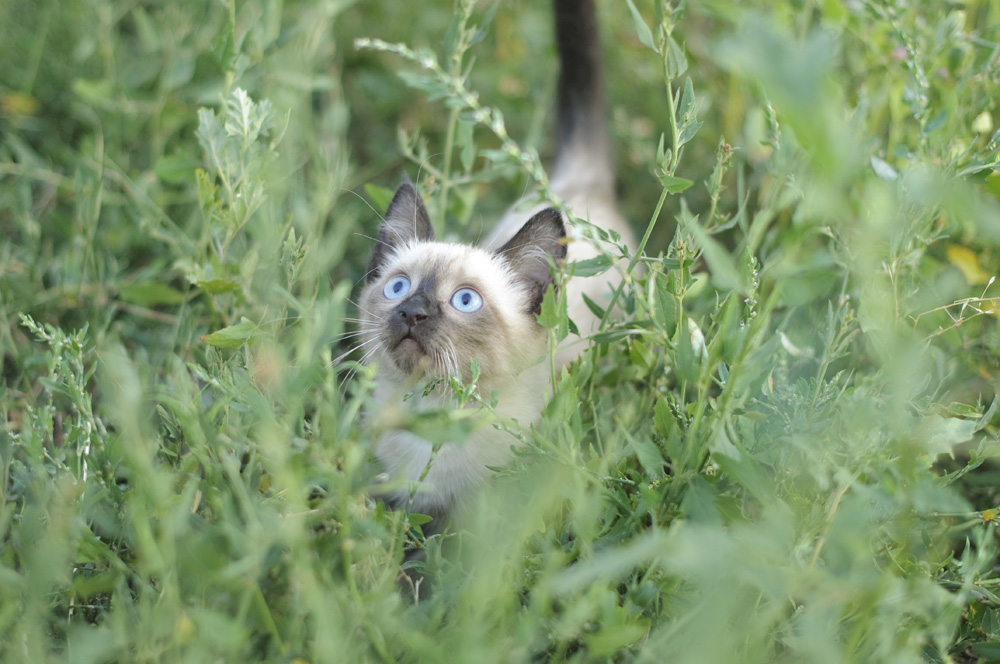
[{"x": 405, "y": 221}]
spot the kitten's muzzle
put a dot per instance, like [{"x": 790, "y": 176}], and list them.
[
  {"x": 414, "y": 310},
  {"x": 415, "y": 319}
]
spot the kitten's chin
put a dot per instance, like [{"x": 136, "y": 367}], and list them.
[{"x": 409, "y": 356}]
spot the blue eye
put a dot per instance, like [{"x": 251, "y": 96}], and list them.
[
  {"x": 467, "y": 300},
  {"x": 396, "y": 288}
]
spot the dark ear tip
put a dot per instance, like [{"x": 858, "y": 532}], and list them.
[
  {"x": 555, "y": 219},
  {"x": 407, "y": 195},
  {"x": 405, "y": 220},
  {"x": 406, "y": 188}
]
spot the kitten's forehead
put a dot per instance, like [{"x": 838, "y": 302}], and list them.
[{"x": 448, "y": 263}]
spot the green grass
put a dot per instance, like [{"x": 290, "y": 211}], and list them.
[{"x": 785, "y": 451}]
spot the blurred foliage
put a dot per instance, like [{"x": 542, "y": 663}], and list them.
[{"x": 785, "y": 450}]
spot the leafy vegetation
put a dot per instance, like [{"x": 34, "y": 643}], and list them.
[{"x": 784, "y": 450}]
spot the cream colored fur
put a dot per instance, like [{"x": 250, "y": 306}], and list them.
[{"x": 510, "y": 350}]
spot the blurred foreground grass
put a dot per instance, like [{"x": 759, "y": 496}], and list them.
[{"x": 787, "y": 450}]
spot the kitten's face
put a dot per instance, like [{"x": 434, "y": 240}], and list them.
[
  {"x": 431, "y": 308},
  {"x": 435, "y": 307}
]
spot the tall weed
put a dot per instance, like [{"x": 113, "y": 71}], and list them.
[{"x": 784, "y": 449}]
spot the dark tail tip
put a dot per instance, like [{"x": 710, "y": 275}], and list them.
[{"x": 581, "y": 106}]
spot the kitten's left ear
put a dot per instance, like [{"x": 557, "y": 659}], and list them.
[
  {"x": 541, "y": 236},
  {"x": 405, "y": 221}
]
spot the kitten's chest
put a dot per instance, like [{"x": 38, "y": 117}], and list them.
[{"x": 440, "y": 475}]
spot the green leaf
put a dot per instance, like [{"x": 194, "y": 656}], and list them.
[
  {"x": 217, "y": 286},
  {"x": 591, "y": 266},
  {"x": 989, "y": 415},
  {"x": 666, "y": 310},
  {"x": 723, "y": 267},
  {"x": 149, "y": 293},
  {"x": 883, "y": 169},
  {"x": 417, "y": 519},
  {"x": 464, "y": 140},
  {"x": 674, "y": 59},
  {"x": 233, "y": 336},
  {"x": 686, "y": 362},
  {"x": 663, "y": 153},
  {"x": 610, "y": 563},
  {"x": 482, "y": 30},
  {"x": 224, "y": 49},
  {"x": 611, "y": 640},
  {"x": 222, "y": 632},
  {"x": 595, "y": 308},
  {"x": 94, "y": 92},
  {"x": 549, "y": 314},
  {"x": 179, "y": 72},
  {"x": 642, "y": 30},
  {"x": 445, "y": 425},
  {"x": 609, "y": 336},
  {"x": 670, "y": 263},
  {"x": 987, "y": 649},
  {"x": 211, "y": 136},
  {"x": 648, "y": 455},
  {"x": 687, "y": 98},
  {"x": 208, "y": 192},
  {"x": 688, "y": 133},
  {"x": 741, "y": 466},
  {"x": 941, "y": 434},
  {"x": 675, "y": 185},
  {"x": 177, "y": 168},
  {"x": 433, "y": 88},
  {"x": 553, "y": 313},
  {"x": 247, "y": 119},
  {"x": 146, "y": 29}
]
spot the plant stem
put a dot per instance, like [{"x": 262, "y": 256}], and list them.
[{"x": 449, "y": 141}]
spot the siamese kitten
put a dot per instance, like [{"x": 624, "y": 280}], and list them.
[{"x": 430, "y": 308}]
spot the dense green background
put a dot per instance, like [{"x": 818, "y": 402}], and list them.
[{"x": 786, "y": 451}]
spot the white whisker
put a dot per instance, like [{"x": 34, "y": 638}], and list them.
[
  {"x": 354, "y": 335},
  {"x": 360, "y": 308},
  {"x": 355, "y": 348},
  {"x": 364, "y": 359},
  {"x": 370, "y": 326},
  {"x": 363, "y": 200},
  {"x": 354, "y": 366}
]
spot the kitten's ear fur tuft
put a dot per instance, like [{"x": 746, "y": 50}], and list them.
[
  {"x": 405, "y": 221},
  {"x": 527, "y": 253}
]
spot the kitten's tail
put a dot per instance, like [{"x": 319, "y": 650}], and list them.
[{"x": 583, "y": 153}]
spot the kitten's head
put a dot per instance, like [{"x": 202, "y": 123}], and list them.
[{"x": 431, "y": 308}]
